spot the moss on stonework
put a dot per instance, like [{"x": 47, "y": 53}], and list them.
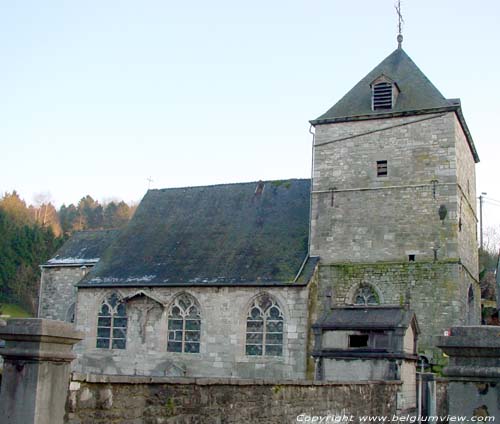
[
  {"x": 313, "y": 312},
  {"x": 170, "y": 407},
  {"x": 278, "y": 183},
  {"x": 277, "y": 389},
  {"x": 430, "y": 284},
  {"x": 450, "y": 286},
  {"x": 437, "y": 369},
  {"x": 417, "y": 270},
  {"x": 390, "y": 264}
]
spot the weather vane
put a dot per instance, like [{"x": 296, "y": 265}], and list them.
[{"x": 400, "y": 23}]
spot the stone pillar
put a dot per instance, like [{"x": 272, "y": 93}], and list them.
[
  {"x": 473, "y": 370},
  {"x": 428, "y": 402},
  {"x": 36, "y": 370}
]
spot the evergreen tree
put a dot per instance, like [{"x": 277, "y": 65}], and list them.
[
  {"x": 24, "y": 245},
  {"x": 69, "y": 218},
  {"x": 16, "y": 208}
]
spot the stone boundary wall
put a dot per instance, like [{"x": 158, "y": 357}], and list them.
[{"x": 101, "y": 399}]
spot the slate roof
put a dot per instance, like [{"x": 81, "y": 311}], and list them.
[
  {"x": 417, "y": 96},
  {"x": 82, "y": 248},
  {"x": 366, "y": 318},
  {"x": 248, "y": 233}
]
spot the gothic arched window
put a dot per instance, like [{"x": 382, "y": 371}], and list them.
[
  {"x": 112, "y": 324},
  {"x": 365, "y": 295},
  {"x": 265, "y": 324},
  {"x": 184, "y": 325}
]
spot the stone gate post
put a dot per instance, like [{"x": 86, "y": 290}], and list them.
[
  {"x": 36, "y": 370},
  {"x": 473, "y": 372}
]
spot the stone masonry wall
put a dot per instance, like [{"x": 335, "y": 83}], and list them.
[
  {"x": 386, "y": 225},
  {"x": 466, "y": 179},
  {"x": 369, "y": 229},
  {"x": 223, "y": 331},
  {"x": 438, "y": 290},
  {"x": 58, "y": 291},
  {"x": 370, "y": 218},
  {"x": 424, "y": 148},
  {"x": 110, "y": 400}
]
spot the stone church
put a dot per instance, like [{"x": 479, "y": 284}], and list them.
[{"x": 230, "y": 280}]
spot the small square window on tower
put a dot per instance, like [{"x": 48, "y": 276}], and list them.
[{"x": 381, "y": 168}]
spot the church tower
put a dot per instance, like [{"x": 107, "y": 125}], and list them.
[{"x": 393, "y": 216}]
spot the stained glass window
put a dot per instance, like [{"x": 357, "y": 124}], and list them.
[
  {"x": 184, "y": 325},
  {"x": 265, "y": 323},
  {"x": 112, "y": 324}
]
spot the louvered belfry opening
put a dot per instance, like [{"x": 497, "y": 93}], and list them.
[{"x": 382, "y": 96}]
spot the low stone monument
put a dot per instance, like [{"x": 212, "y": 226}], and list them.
[
  {"x": 473, "y": 370},
  {"x": 36, "y": 370}
]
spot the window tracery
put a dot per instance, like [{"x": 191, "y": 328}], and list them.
[
  {"x": 184, "y": 325},
  {"x": 112, "y": 324},
  {"x": 265, "y": 324},
  {"x": 366, "y": 295}
]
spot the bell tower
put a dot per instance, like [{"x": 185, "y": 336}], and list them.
[{"x": 393, "y": 216}]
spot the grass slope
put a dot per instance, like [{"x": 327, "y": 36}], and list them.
[{"x": 10, "y": 310}]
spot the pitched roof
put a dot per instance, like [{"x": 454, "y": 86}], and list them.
[
  {"x": 82, "y": 248},
  {"x": 366, "y": 317},
  {"x": 417, "y": 95},
  {"x": 416, "y": 91},
  {"x": 217, "y": 235}
]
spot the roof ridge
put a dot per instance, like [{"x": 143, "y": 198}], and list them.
[{"x": 228, "y": 184}]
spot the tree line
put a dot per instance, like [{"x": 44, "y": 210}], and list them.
[
  {"x": 489, "y": 256},
  {"x": 30, "y": 235}
]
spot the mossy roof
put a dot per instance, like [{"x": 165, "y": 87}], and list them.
[
  {"x": 224, "y": 234},
  {"x": 82, "y": 248}
]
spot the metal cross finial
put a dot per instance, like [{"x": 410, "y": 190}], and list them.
[
  {"x": 150, "y": 180},
  {"x": 400, "y": 23}
]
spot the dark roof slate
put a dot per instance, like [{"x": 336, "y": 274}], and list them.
[
  {"x": 222, "y": 235},
  {"x": 417, "y": 96},
  {"x": 82, "y": 248},
  {"x": 416, "y": 91},
  {"x": 366, "y": 317}
]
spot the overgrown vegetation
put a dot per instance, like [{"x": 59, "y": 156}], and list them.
[
  {"x": 488, "y": 261},
  {"x": 13, "y": 311}
]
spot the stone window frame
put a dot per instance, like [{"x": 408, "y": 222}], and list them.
[
  {"x": 352, "y": 294},
  {"x": 184, "y": 326},
  {"x": 267, "y": 349},
  {"x": 112, "y": 322}
]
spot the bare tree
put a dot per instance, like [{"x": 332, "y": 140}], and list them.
[
  {"x": 491, "y": 240},
  {"x": 41, "y": 202}
]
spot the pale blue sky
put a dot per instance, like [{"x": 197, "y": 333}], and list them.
[{"x": 97, "y": 96}]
